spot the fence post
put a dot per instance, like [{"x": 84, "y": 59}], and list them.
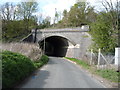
[
  {"x": 91, "y": 57},
  {"x": 99, "y": 56},
  {"x": 117, "y": 56}
]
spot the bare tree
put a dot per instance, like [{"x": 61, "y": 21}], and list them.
[
  {"x": 26, "y": 10},
  {"x": 8, "y": 11}
]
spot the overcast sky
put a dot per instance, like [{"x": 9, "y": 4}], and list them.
[{"x": 47, "y": 7}]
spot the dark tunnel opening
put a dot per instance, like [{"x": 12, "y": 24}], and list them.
[{"x": 54, "y": 46}]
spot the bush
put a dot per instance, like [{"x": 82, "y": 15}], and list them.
[
  {"x": 43, "y": 60},
  {"x": 14, "y": 68}
]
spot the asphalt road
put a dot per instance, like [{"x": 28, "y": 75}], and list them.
[{"x": 60, "y": 73}]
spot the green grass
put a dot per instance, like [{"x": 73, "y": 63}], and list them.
[
  {"x": 80, "y": 62},
  {"x": 109, "y": 74},
  {"x": 85, "y": 36}
]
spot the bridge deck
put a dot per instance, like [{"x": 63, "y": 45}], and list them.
[{"x": 75, "y": 29}]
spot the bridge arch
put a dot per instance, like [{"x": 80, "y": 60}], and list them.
[
  {"x": 55, "y": 45},
  {"x": 58, "y": 35}
]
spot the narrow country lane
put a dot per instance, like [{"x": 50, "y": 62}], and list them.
[{"x": 60, "y": 73}]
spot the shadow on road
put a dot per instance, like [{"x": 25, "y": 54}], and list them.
[{"x": 36, "y": 80}]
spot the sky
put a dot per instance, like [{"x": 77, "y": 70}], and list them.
[{"x": 47, "y": 7}]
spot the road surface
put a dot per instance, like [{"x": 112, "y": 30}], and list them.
[{"x": 60, "y": 73}]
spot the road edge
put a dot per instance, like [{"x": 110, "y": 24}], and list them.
[{"x": 103, "y": 81}]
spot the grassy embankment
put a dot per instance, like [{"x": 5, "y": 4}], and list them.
[
  {"x": 16, "y": 67},
  {"x": 109, "y": 74}
]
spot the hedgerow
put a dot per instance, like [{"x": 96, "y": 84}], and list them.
[{"x": 16, "y": 67}]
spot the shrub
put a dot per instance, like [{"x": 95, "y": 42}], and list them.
[
  {"x": 14, "y": 68},
  {"x": 43, "y": 60}
]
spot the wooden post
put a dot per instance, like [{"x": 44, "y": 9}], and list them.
[
  {"x": 35, "y": 35},
  {"x": 91, "y": 57},
  {"x": 99, "y": 56},
  {"x": 44, "y": 44}
]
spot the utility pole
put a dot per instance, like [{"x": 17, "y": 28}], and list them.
[
  {"x": 44, "y": 42},
  {"x": 35, "y": 35},
  {"x": 56, "y": 17}
]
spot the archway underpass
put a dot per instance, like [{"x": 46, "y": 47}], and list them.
[{"x": 54, "y": 46}]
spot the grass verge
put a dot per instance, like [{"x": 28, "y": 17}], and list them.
[
  {"x": 80, "y": 62},
  {"x": 109, "y": 74}
]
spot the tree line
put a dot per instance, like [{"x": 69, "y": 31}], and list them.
[
  {"x": 104, "y": 24},
  {"x": 18, "y": 20}
]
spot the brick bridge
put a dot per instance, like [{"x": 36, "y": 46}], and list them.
[{"x": 69, "y": 42}]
